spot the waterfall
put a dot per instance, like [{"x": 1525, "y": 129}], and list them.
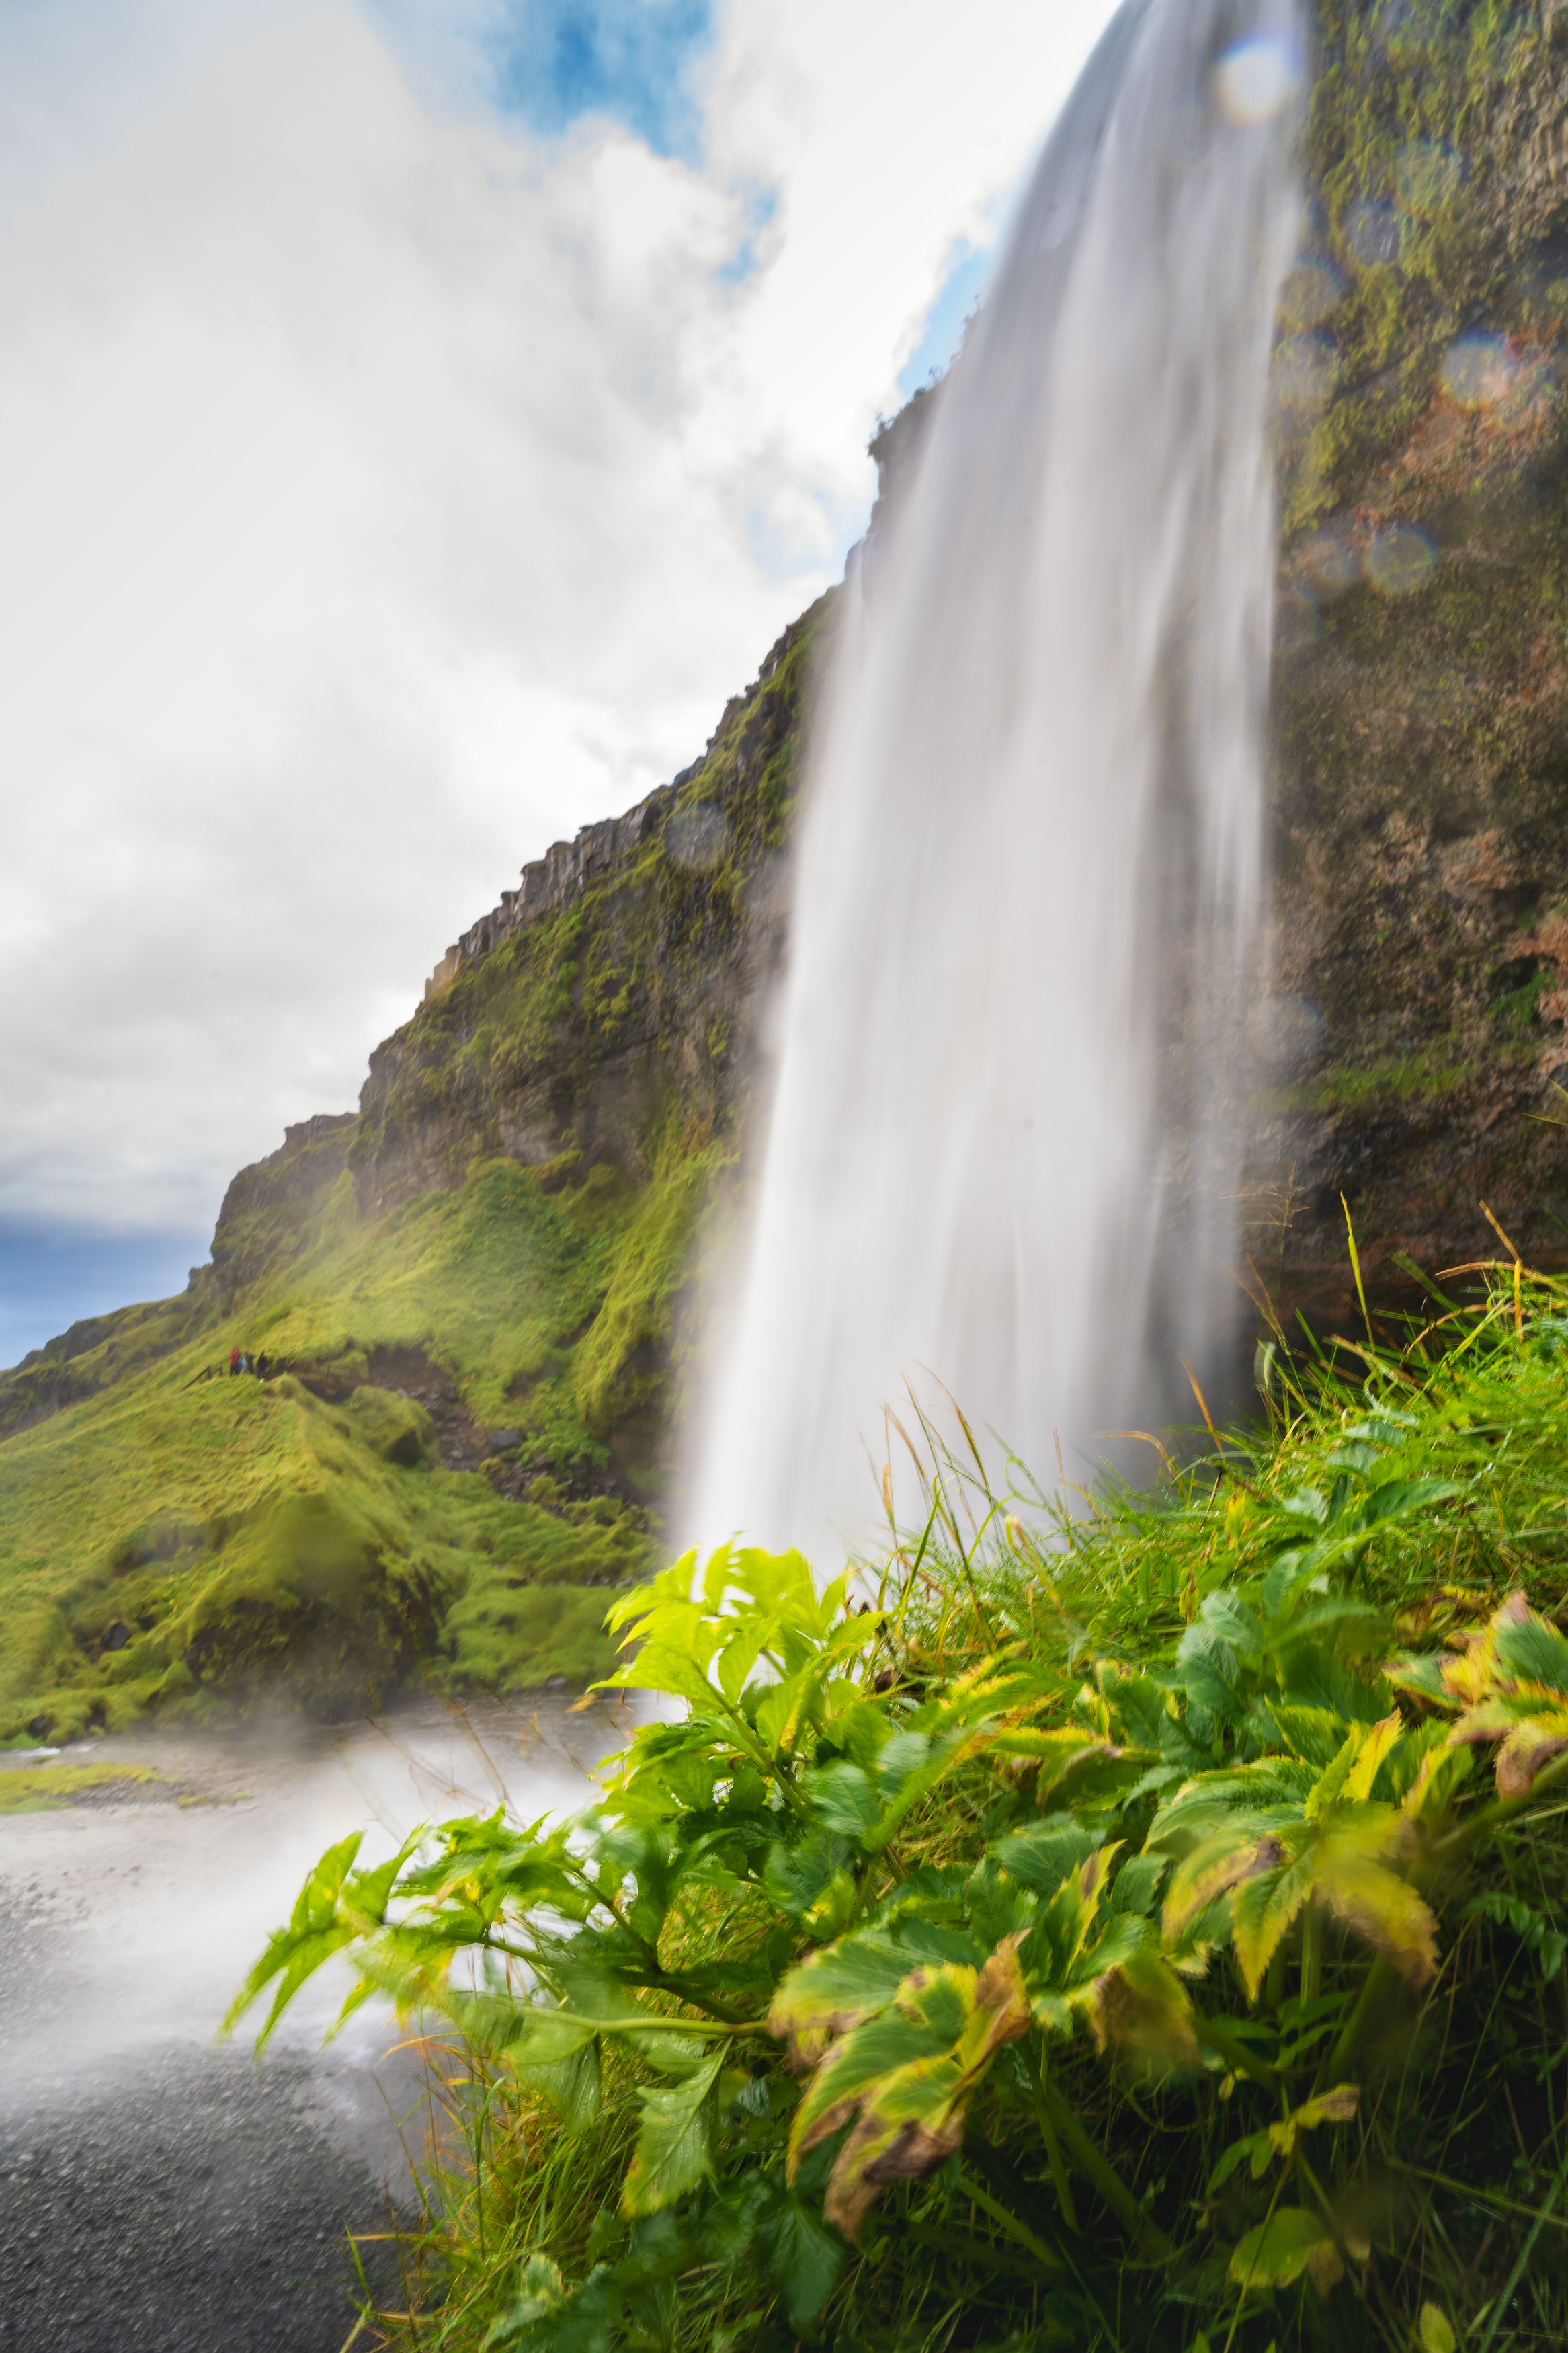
[{"x": 1001, "y": 1153}]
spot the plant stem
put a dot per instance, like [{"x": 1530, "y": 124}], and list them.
[
  {"x": 1234, "y": 2052},
  {"x": 1101, "y": 2176},
  {"x": 1053, "y": 2147},
  {"x": 1378, "y": 1978},
  {"x": 1011, "y": 2224},
  {"x": 659, "y": 2025},
  {"x": 1311, "y": 1951}
]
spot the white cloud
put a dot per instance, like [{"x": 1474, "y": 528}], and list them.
[{"x": 383, "y": 494}]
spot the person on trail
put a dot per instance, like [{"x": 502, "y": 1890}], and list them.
[
  {"x": 261, "y": 1366},
  {"x": 233, "y": 1363},
  {"x": 244, "y": 1362}
]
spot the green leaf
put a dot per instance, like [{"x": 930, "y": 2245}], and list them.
[
  {"x": 840, "y": 1986},
  {"x": 1256, "y": 2149},
  {"x": 915, "y": 2049},
  {"x": 842, "y": 1798},
  {"x": 1535, "y": 1654},
  {"x": 1136, "y": 1887},
  {"x": 677, "y": 2144},
  {"x": 559, "y": 2058},
  {"x": 542, "y": 2292},
  {"x": 1335, "y": 2107},
  {"x": 906, "y": 1752},
  {"x": 334, "y": 1909},
  {"x": 798, "y": 1878},
  {"x": 1043, "y": 1854},
  {"x": 1290, "y": 2241},
  {"x": 801, "y": 2257},
  {"x": 1208, "y": 1666}
]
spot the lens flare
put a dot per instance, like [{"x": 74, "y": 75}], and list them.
[
  {"x": 1372, "y": 236},
  {"x": 1426, "y": 173},
  {"x": 1306, "y": 369},
  {"x": 1477, "y": 371},
  {"x": 1487, "y": 375},
  {"x": 1311, "y": 290},
  {"x": 1330, "y": 560},
  {"x": 1253, "y": 80},
  {"x": 1401, "y": 559}
]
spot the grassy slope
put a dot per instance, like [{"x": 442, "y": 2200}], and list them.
[{"x": 234, "y": 1527}]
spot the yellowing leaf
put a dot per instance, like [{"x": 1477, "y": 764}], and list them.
[
  {"x": 1374, "y": 1747},
  {"x": 840, "y": 1985},
  {"x": 1437, "y": 1777},
  {"x": 1435, "y": 2330},
  {"x": 1385, "y": 1910},
  {"x": 1215, "y": 1865},
  {"x": 1142, "y": 2005},
  {"x": 1512, "y": 1678},
  {"x": 906, "y": 2074},
  {"x": 1335, "y": 2107}
]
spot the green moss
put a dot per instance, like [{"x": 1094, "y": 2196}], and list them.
[
  {"x": 172, "y": 1539},
  {"x": 619, "y": 1368},
  {"x": 1429, "y": 1074},
  {"x": 42, "y": 1788},
  {"x": 506, "y": 1637}
]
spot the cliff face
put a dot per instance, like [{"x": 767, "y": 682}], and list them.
[
  {"x": 608, "y": 1009},
  {"x": 1420, "y": 787}
]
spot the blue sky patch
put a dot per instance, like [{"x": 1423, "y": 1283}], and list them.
[
  {"x": 961, "y": 290},
  {"x": 51, "y": 1276},
  {"x": 552, "y": 61}
]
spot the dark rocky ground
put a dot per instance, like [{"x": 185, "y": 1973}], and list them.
[
  {"x": 188, "y": 2204},
  {"x": 160, "y": 2193}
]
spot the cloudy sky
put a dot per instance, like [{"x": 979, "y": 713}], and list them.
[{"x": 416, "y": 416}]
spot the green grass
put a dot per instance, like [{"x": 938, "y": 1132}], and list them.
[{"x": 245, "y": 1534}]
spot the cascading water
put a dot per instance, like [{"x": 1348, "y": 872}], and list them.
[{"x": 1001, "y": 1151}]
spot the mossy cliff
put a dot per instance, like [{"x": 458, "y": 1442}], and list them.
[
  {"x": 1420, "y": 781},
  {"x": 485, "y": 1284}
]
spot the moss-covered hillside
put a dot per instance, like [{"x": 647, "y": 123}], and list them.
[{"x": 478, "y": 1297}]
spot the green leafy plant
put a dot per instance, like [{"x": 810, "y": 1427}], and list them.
[{"x": 886, "y": 1969}]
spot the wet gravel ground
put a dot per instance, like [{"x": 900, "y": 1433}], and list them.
[
  {"x": 190, "y": 2206},
  {"x": 159, "y": 2193}
]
